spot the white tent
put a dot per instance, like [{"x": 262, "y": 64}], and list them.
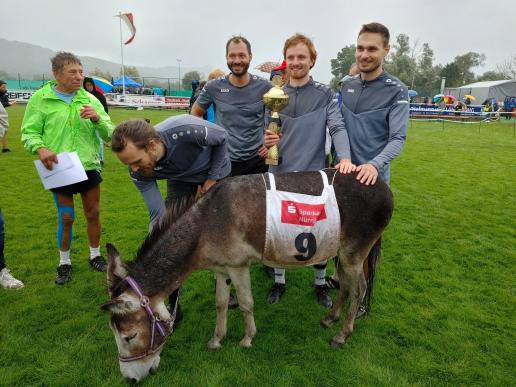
[{"x": 484, "y": 90}]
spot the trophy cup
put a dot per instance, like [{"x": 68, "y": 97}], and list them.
[{"x": 276, "y": 100}]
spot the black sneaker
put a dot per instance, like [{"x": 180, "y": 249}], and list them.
[
  {"x": 233, "y": 302},
  {"x": 276, "y": 293},
  {"x": 322, "y": 296},
  {"x": 64, "y": 274},
  {"x": 269, "y": 271},
  {"x": 362, "y": 311},
  {"x": 6, "y": 150},
  {"x": 331, "y": 283},
  {"x": 99, "y": 263}
]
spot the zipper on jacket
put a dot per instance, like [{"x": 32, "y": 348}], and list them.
[
  {"x": 358, "y": 97},
  {"x": 295, "y": 102}
]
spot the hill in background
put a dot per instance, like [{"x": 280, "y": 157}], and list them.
[{"x": 33, "y": 62}]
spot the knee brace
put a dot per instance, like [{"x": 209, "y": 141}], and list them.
[{"x": 61, "y": 210}]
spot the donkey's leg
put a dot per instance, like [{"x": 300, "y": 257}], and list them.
[
  {"x": 336, "y": 310},
  {"x": 242, "y": 280},
  {"x": 354, "y": 281},
  {"x": 221, "y": 300}
]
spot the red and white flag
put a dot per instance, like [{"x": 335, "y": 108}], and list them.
[{"x": 128, "y": 18}]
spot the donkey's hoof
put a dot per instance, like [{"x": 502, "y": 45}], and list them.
[
  {"x": 246, "y": 342},
  {"x": 327, "y": 322},
  {"x": 337, "y": 342},
  {"x": 214, "y": 343}
]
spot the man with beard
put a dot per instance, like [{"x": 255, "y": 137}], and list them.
[
  {"x": 239, "y": 108},
  {"x": 375, "y": 106},
  {"x": 312, "y": 108},
  {"x": 189, "y": 152}
]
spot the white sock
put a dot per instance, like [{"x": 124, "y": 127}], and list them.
[
  {"x": 279, "y": 276},
  {"x": 319, "y": 276},
  {"x": 64, "y": 258},
  {"x": 94, "y": 252}
]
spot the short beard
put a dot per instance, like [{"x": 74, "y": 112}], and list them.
[
  {"x": 369, "y": 71},
  {"x": 149, "y": 172},
  {"x": 244, "y": 71}
]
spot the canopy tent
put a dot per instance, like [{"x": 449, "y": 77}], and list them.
[
  {"x": 485, "y": 90},
  {"x": 129, "y": 82}
]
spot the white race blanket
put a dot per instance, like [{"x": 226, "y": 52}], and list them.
[{"x": 301, "y": 227}]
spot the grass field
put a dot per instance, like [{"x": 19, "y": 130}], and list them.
[{"x": 443, "y": 312}]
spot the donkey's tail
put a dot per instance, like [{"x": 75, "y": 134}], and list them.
[{"x": 372, "y": 261}]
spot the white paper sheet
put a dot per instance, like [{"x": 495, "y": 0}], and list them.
[{"x": 68, "y": 170}]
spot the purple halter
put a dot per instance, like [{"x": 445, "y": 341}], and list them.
[{"x": 155, "y": 323}]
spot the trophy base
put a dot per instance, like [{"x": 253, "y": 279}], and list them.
[{"x": 272, "y": 161}]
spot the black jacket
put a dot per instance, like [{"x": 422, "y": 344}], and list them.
[
  {"x": 4, "y": 99},
  {"x": 96, "y": 93}
]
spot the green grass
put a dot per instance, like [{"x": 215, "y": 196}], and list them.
[{"x": 443, "y": 312}]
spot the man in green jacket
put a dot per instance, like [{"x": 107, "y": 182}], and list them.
[{"x": 63, "y": 117}]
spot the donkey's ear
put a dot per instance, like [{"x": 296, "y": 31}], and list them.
[
  {"x": 115, "y": 265},
  {"x": 123, "y": 304}
]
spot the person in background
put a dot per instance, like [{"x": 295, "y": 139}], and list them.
[
  {"x": 7, "y": 280},
  {"x": 89, "y": 86},
  {"x": 195, "y": 86},
  {"x": 210, "y": 113},
  {"x": 5, "y": 103}
]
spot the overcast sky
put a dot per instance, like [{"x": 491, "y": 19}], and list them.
[{"x": 196, "y": 30}]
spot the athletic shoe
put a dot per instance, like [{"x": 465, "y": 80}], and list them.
[
  {"x": 322, "y": 296},
  {"x": 64, "y": 274},
  {"x": 8, "y": 281},
  {"x": 99, "y": 263},
  {"x": 232, "y": 302},
  {"x": 268, "y": 270},
  {"x": 362, "y": 311},
  {"x": 276, "y": 293},
  {"x": 331, "y": 283},
  {"x": 6, "y": 150}
]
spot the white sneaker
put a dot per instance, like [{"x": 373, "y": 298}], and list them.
[{"x": 8, "y": 281}]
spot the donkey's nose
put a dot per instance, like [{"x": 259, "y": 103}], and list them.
[{"x": 131, "y": 380}]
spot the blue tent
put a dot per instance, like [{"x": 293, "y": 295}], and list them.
[{"x": 128, "y": 82}]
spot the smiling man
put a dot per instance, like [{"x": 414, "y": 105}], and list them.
[
  {"x": 238, "y": 102},
  {"x": 375, "y": 106},
  {"x": 311, "y": 109},
  {"x": 63, "y": 117}
]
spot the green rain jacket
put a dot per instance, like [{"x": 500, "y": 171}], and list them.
[{"x": 51, "y": 123}]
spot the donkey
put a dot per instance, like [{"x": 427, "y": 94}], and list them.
[{"x": 225, "y": 232}]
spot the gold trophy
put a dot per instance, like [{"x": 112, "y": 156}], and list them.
[{"x": 276, "y": 100}]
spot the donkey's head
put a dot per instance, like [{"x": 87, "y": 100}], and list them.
[{"x": 140, "y": 324}]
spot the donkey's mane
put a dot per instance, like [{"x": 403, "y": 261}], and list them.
[{"x": 171, "y": 216}]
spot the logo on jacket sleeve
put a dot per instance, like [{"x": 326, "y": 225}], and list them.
[{"x": 301, "y": 213}]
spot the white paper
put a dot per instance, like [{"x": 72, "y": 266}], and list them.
[{"x": 68, "y": 170}]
